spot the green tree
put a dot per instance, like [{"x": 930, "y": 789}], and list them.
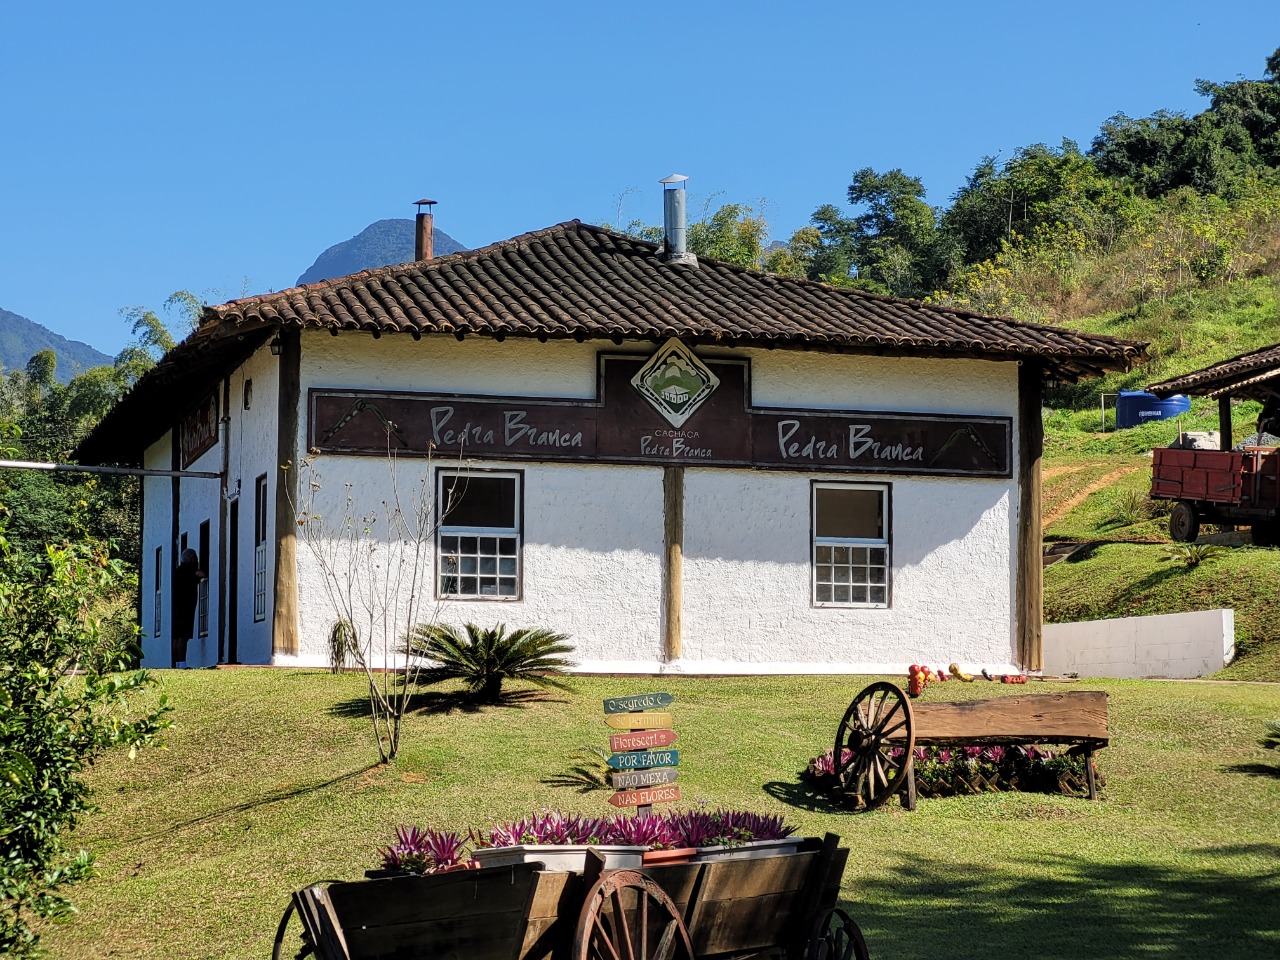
[
  {"x": 732, "y": 233},
  {"x": 153, "y": 338},
  {"x": 63, "y": 703}
]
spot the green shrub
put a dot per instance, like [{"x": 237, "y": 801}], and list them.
[
  {"x": 1191, "y": 555},
  {"x": 483, "y": 658}
]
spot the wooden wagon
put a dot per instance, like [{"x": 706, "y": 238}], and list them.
[
  {"x": 873, "y": 757},
  {"x": 717, "y": 909}
]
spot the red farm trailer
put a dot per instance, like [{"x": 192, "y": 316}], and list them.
[
  {"x": 1225, "y": 486},
  {"x": 1219, "y": 486}
]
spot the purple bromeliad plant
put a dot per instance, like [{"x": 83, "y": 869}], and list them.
[
  {"x": 422, "y": 850},
  {"x": 949, "y": 770},
  {"x": 425, "y": 849}
]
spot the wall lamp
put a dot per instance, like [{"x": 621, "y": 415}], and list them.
[{"x": 275, "y": 346}]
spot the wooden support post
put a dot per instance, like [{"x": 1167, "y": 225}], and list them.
[
  {"x": 1090, "y": 777},
  {"x": 1225, "y": 440},
  {"x": 284, "y": 618},
  {"x": 673, "y": 561},
  {"x": 1029, "y": 601}
]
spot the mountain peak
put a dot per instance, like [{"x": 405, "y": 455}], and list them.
[{"x": 380, "y": 244}]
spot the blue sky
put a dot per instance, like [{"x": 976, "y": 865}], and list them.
[{"x": 220, "y": 147}]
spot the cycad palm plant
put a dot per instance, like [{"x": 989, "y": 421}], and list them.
[{"x": 482, "y": 658}]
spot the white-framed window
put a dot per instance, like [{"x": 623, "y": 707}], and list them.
[
  {"x": 850, "y": 524},
  {"x": 260, "y": 549},
  {"x": 478, "y": 535}
]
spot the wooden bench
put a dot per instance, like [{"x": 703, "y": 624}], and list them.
[{"x": 881, "y": 721}]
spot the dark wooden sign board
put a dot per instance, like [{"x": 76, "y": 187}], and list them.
[
  {"x": 199, "y": 431},
  {"x": 621, "y": 427},
  {"x": 638, "y": 701}
]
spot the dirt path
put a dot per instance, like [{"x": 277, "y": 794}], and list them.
[
  {"x": 1062, "y": 509},
  {"x": 1050, "y": 472}
]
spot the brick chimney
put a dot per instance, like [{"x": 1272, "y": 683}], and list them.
[{"x": 423, "y": 243}]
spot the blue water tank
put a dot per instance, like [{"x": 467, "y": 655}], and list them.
[{"x": 1135, "y": 406}]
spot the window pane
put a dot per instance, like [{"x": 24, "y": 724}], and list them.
[
  {"x": 879, "y": 555},
  {"x": 468, "y": 564},
  {"x": 467, "y": 545},
  {"x": 467, "y": 585},
  {"x": 449, "y": 544},
  {"x": 877, "y": 594},
  {"x": 478, "y": 501},
  {"x": 859, "y": 594},
  {"x": 824, "y": 593},
  {"x": 507, "y": 546},
  {"x": 841, "y": 594},
  {"x": 488, "y": 564},
  {"x": 851, "y": 512},
  {"x": 507, "y": 588},
  {"x": 507, "y": 565},
  {"x": 842, "y": 554}
]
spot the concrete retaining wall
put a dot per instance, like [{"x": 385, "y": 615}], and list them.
[{"x": 1179, "y": 645}]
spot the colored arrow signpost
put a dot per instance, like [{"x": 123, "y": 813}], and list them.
[
  {"x": 648, "y": 773},
  {"x": 646, "y": 797},
  {"x": 643, "y": 760},
  {"x": 630, "y": 779},
  {"x": 639, "y": 721},
  {"x": 649, "y": 740},
  {"x": 639, "y": 701}
]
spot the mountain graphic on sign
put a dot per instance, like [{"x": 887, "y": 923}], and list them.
[{"x": 675, "y": 382}]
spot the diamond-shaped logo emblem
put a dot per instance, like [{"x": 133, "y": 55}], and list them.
[{"x": 675, "y": 382}]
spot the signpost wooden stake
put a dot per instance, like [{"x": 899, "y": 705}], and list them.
[{"x": 647, "y": 770}]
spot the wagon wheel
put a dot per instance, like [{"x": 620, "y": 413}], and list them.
[
  {"x": 1184, "y": 522},
  {"x": 291, "y": 945},
  {"x": 836, "y": 937},
  {"x": 627, "y": 916},
  {"x": 877, "y": 723}
]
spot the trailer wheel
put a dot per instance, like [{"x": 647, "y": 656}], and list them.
[
  {"x": 1184, "y": 522},
  {"x": 1266, "y": 533}
]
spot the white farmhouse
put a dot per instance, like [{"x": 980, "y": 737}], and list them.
[{"x": 684, "y": 465}]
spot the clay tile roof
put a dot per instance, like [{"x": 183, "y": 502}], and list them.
[
  {"x": 584, "y": 282},
  {"x": 1251, "y": 375}
]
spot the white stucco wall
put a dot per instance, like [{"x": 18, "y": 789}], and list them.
[
  {"x": 157, "y": 514},
  {"x": 1175, "y": 645},
  {"x": 253, "y": 453},
  {"x": 593, "y": 533},
  {"x": 252, "y": 436}
]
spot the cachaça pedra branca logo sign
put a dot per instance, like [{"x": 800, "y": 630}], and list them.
[{"x": 675, "y": 382}]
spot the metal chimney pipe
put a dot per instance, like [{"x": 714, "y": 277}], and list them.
[
  {"x": 424, "y": 241},
  {"x": 674, "y": 225}
]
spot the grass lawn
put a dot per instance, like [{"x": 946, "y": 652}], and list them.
[{"x": 267, "y": 783}]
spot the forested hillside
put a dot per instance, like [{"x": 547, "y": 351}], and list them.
[{"x": 21, "y": 339}]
